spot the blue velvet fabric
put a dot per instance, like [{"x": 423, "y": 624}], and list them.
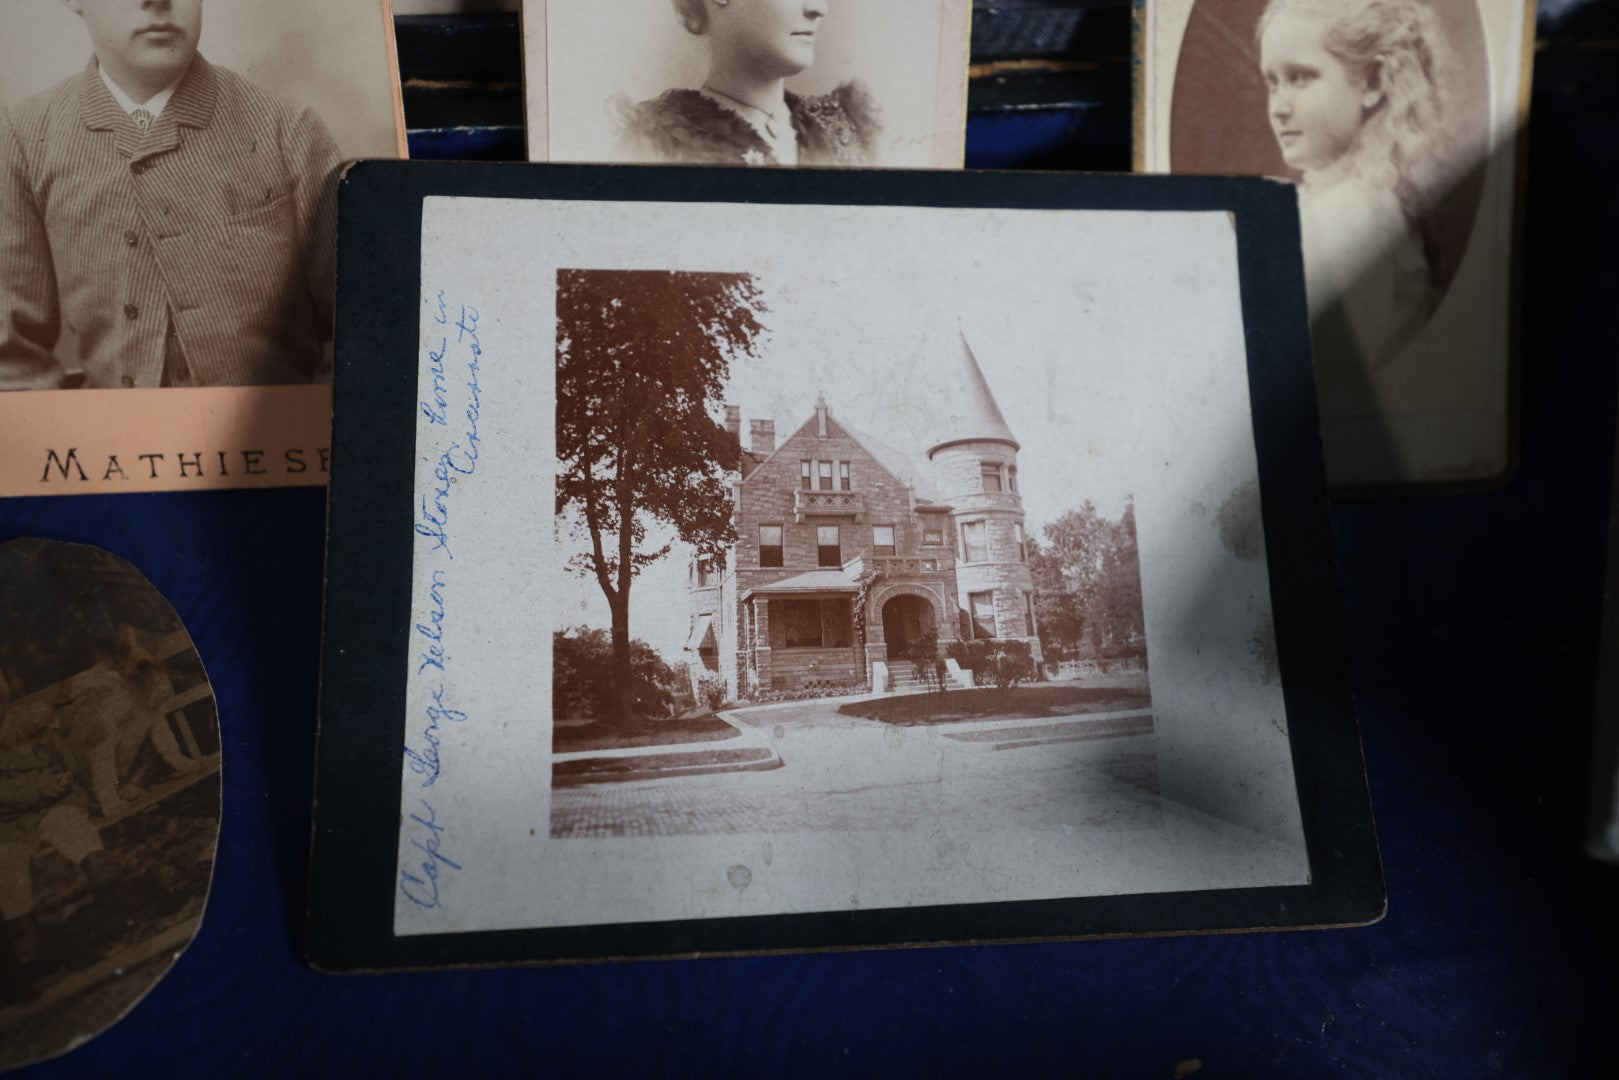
[{"x": 1473, "y": 625}]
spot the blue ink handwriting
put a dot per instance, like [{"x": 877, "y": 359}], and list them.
[{"x": 422, "y": 890}]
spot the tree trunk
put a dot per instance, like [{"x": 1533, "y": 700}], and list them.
[{"x": 618, "y": 703}]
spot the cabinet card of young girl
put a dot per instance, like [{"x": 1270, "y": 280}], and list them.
[
  {"x": 747, "y": 82},
  {"x": 1401, "y": 122}
]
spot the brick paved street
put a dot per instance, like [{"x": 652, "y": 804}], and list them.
[{"x": 847, "y": 774}]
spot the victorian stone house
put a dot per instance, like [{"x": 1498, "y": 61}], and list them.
[{"x": 848, "y": 550}]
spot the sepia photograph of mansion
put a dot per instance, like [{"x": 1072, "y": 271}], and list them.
[{"x": 848, "y": 551}]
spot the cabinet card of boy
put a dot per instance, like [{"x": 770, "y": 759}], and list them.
[
  {"x": 1401, "y": 122},
  {"x": 167, "y": 234},
  {"x": 748, "y": 82},
  {"x": 842, "y": 559}
]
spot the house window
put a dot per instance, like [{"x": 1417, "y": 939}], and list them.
[
  {"x": 827, "y": 550},
  {"x": 826, "y": 475},
  {"x": 882, "y": 539},
  {"x": 1017, "y": 538},
  {"x": 811, "y": 624},
  {"x": 974, "y": 542},
  {"x": 804, "y": 475},
  {"x": 991, "y": 472},
  {"x": 707, "y": 572},
  {"x": 843, "y": 476},
  {"x": 770, "y": 545},
  {"x": 932, "y": 534},
  {"x": 1011, "y": 477},
  {"x": 983, "y": 613},
  {"x": 1028, "y": 614}
]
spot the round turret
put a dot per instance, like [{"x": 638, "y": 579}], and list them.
[{"x": 975, "y": 467}]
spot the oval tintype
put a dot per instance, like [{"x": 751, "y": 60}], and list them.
[
  {"x": 109, "y": 793},
  {"x": 1254, "y": 93}
]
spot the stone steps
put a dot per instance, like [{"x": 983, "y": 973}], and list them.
[{"x": 903, "y": 679}]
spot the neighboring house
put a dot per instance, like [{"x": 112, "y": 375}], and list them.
[{"x": 817, "y": 516}]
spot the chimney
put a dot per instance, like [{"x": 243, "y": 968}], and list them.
[
  {"x": 733, "y": 420},
  {"x": 762, "y": 436}
]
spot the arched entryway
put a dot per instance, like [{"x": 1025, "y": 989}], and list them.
[{"x": 905, "y": 618}]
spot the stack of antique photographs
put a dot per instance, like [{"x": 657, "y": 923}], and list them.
[{"x": 748, "y": 530}]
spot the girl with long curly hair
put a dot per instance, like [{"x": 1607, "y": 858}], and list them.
[{"x": 1357, "y": 105}]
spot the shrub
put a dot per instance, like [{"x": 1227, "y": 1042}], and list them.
[
  {"x": 712, "y": 689},
  {"x": 995, "y": 662},
  {"x": 923, "y": 653},
  {"x": 582, "y": 673}
]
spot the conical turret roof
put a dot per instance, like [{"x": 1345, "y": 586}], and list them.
[{"x": 978, "y": 418}]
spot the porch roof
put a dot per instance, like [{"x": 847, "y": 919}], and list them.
[{"x": 828, "y": 580}]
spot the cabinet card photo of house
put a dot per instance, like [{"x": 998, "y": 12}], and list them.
[{"x": 839, "y": 557}]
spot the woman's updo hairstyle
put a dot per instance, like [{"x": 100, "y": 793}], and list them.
[{"x": 693, "y": 15}]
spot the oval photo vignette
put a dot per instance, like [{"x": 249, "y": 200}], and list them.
[
  {"x": 109, "y": 794},
  {"x": 1218, "y": 122}
]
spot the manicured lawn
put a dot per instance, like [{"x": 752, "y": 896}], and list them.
[
  {"x": 653, "y": 731},
  {"x": 658, "y": 766},
  {"x": 988, "y": 703}
]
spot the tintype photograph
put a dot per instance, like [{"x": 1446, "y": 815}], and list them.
[
  {"x": 1398, "y": 120},
  {"x": 747, "y": 82},
  {"x": 935, "y": 580},
  {"x": 109, "y": 794},
  {"x": 167, "y": 208}
]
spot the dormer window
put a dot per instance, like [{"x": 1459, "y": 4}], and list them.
[
  {"x": 826, "y": 475},
  {"x": 805, "y": 481},
  {"x": 843, "y": 476},
  {"x": 991, "y": 473}
]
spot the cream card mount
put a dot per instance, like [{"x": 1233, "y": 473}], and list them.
[
  {"x": 982, "y": 577},
  {"x": 1403, "y": 124},
  {"x": 699, "y": 82}
]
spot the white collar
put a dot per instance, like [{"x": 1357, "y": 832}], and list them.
[{"x": 153, "y": 104}]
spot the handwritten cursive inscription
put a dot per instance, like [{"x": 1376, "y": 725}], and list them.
[
  {"x": 425, "y": 762},
  {"x": 431, "y": 630},
  {"x": 421, "y": 888},
  {"x": 450, "y": 446},
  {"x": 460, "y": 458}
]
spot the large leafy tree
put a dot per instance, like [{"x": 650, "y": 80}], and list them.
[
  {"x": 1059, "y": 613},
  {"x": 1088, "y": 577},
  {"x": 642, "y": 359}
]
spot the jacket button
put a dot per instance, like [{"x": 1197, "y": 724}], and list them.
[
  {"x": 131, "y": 237},
  {"x": 131, "y": 311},
  {"x": 139, "y": 167},
  {"x": 128, "y": 380}
]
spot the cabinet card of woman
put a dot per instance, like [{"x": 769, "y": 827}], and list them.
[
  {"x": 743, "y": 113},
  {"x": 1356, "y": 106}
]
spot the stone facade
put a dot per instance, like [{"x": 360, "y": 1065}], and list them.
[{"x": 830, "y": 516}]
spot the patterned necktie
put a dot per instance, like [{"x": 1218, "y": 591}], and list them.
[{"x": 142, "y": 118}]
